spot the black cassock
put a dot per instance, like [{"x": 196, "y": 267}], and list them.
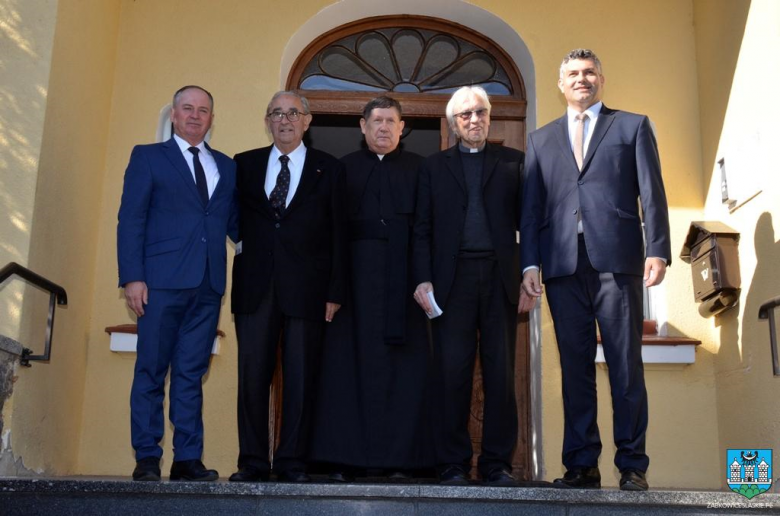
[{"x": 373, "y": 407}]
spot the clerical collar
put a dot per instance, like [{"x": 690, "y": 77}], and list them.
[
  {"x": 469, "y": 150},
  {"x": 390, "y": 154}
]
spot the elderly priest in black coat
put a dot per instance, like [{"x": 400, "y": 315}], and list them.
[{"x": 373, "y": 411}]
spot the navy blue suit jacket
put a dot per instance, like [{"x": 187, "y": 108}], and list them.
[
  {"x": 621, "y": 165},
  {"x": 165, "y": 235}
]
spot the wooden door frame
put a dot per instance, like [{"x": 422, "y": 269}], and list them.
[{"x": 431, "y": 105}]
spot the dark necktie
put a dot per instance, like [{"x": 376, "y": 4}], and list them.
[
  {"x": 200, "y": 176},
  {"x": 278, "y": 195}
]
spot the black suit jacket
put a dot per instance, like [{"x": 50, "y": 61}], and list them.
[
  {"x": 620, "y": 166},
  {"x": 441, "y": 213},
  {"x": 304, "y": 251}
]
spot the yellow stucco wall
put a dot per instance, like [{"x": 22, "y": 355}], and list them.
[
  {"x": 146, "y": 49},
  {"x": 744, "y": 131},
  {"x": 48, "y": 398},
  {"x": 26, "y": 39}
]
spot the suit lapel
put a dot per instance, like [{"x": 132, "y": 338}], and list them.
[
  {"x": 174, "y": 155},
  {"x": 562, "y": 134},
  {"x": 604, "y": 121},
  {"x": 456, "y": 167},
  {"x": 489, "y": 164},
  {"x": 220, "y": 168},
  {"x": 309, "y": 177},
  {"x": 262, "y": 171}
]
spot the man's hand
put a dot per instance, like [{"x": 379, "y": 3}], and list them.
[
  {"x": 531, "y": 283},
  {"x": 526, "y": 303},
  {"x": 421, "y": 296},
  {"x": 137, "y": 295},
  {"x": 655, "y": 270},
  {"x": 330, "y": 310}
]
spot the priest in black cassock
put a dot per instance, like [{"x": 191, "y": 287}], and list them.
[{"x": 373, "y": 410}]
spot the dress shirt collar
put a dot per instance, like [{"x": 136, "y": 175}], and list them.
[
  {"x": 184, "y": 145},
  {"x": 592, "y": 112},
  {"x": 297, "y": 157}
]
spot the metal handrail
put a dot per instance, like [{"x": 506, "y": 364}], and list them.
[
  {"x": 767, "y": 311},
  {"x": 56, "y": 293}
]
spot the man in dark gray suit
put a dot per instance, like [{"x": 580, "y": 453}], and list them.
[{"x": 581, "y": 224}]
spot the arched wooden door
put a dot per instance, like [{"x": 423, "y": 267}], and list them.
[{"x": 421, "y": 61}]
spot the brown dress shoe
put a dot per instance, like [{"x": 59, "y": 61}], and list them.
[
  {"x": 580, "y": 478},
  {"x": 633, "y": 480}
]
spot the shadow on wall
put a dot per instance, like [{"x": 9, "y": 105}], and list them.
[
  {"x": 765, "y": 286},
  {"x": 22, "y": 109}
]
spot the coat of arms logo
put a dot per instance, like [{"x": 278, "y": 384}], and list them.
[{"x": 749, "y": 472}]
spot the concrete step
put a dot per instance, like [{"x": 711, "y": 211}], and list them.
[{"x": 119, "y": 496}]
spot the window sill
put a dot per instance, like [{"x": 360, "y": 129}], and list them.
[
  {"x": 124, "y": 339},
  {"x": 662, "y": 350}
]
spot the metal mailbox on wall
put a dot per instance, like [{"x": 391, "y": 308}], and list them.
[{"x": 712, "y": 250}]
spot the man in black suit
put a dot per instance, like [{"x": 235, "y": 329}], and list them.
[
  {"x": 466, "y": 254},
  {"x": 289, "y": 274},
  {"x": 582, "y": 226}
]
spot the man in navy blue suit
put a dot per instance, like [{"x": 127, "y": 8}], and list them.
[
  {"x": 177, "y": 208},
  {"x": 581, "y": 224}
]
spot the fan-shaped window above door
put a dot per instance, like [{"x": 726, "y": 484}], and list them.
[{"x": 404, "y": 60}]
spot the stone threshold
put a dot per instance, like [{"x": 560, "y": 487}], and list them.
[{"x": 767, "y": 503}]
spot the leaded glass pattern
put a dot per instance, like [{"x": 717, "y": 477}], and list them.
[{"x": 404, "y": 60}]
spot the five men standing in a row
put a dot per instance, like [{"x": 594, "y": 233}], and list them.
[{"x": 374, "y": 233}]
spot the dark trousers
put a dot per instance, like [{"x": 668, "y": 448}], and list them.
[
  {"x": 176, "y": 332},
  {"x": 477, "y": 316},
  {"x": 258, "y": 338},
  {"x": 577, "y": 303}
]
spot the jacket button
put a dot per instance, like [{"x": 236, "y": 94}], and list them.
[
  {"x": 203, "y": 240},
  {"x": 574, "y": 212},
  {"x": 277, "y": 225},
  {"x": 580, "y": 182}
]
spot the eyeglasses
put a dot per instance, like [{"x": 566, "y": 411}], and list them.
[
  {"x": 466, "y": 115},
  {"x": 293, "y": 115}
]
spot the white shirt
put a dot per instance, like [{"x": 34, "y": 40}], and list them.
[
  {"x": 297, "y": 158},
  {"x": 206, "y": 160},
  {"x": 590, "y": 123}
]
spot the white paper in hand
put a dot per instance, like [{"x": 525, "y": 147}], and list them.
[{"x": 436, "y": 310}]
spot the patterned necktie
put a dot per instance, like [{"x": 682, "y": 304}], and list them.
[
  {"x": 579, "y": 140},
  {"x": 278, "y": 195},
  {"x": 200, "y": 176}
]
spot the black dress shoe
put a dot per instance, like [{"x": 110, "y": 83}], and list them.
[
  {"x": 500, "y": 477},
  {"x": 295, "y": 475},
  {"x": 341, "y": 477},
  {"x": 454, "y": 476},
  {"x": 580, "y": 478},
  {"x": 192, "y": 470},
  {"x": 249, "y": 474},
  {"x": 147, "y": 469},
  {"x": 633, "y": 480}
]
